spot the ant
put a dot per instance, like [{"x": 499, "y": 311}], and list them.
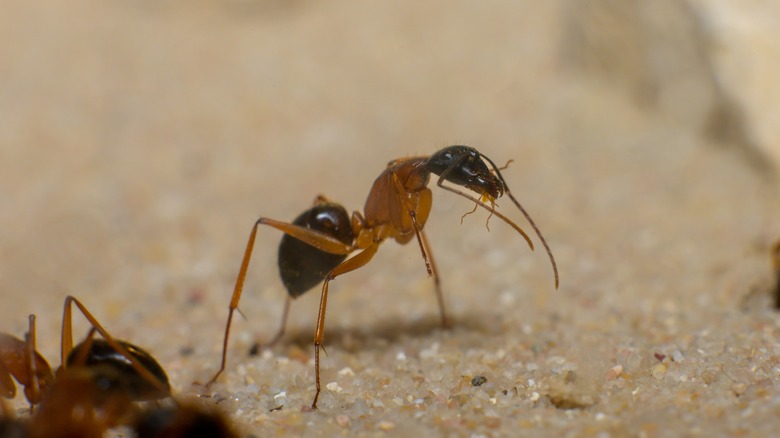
[
  {"x": 94, "y": 388},
  {"x": 316, "y": 244}
]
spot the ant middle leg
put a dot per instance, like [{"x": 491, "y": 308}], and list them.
[
  {"x": 283, "y": 324},
  {"x": 418, "y": 215},
  {"x": 279, "y": 333},
  {"x": 436, "y": 281}
]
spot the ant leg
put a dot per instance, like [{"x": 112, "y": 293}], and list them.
[
  {"x": 39, "y": 375},
  {"x": 424, "y": 201},
  {"x": 67, "y": 341},
  {"x": 356, "y": 262},
  {"x": 439, "y": 295},
  {"x": 258, "y": 346},
  {"x": 33, "y": 396},
  {"x": 316, "y": 239}
]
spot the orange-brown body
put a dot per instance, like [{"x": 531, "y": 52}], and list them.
[{"x": 399, "y": 190}]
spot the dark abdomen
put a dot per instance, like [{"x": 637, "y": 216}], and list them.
[{"x": 303, "y": 266}]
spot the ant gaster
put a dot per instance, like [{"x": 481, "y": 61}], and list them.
[{"x": 316, "y": 244}]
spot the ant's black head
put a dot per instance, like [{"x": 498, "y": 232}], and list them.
[{"x": 464, "y": 166}]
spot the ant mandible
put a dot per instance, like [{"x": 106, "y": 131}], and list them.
[{"x": 316, "y": 244}]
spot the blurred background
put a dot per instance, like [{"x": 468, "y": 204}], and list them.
[{"x": 139, "y": 141}]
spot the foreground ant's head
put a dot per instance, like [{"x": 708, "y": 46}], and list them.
[{"x": 464, "y": 166}]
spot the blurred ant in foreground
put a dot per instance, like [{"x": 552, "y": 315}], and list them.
[
  {"x": 95, "y": 388},
  {"x": 20, "y": 360},
  {"x": 316, "y": 244}
]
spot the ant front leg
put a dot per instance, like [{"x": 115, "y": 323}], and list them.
[
  {"x": 356, "y": 262},
  {"x": 418, "y": 215},
  {"x": 40, "y": 374},
  {"x": 445, "y": 322},
  {"x": 311, "y": 237},
  {"x": 283, "y": 325}
]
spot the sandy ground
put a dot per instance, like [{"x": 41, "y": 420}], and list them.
[{"x": 139, "y": 141}]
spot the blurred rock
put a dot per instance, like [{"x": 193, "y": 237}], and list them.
[
  {"x": 709, "y": 65},
  {"x": 745, "y": 52}
]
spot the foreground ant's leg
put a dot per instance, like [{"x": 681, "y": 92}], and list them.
[
  {"x": 424, "y": 202},
  {"x": 316, "y": 239},
  {"x": 35, "y": 390},
  {"x": 19, "y": 360},
  {"x": 423, "y": 208},
  {"x": 348, "y": 265},
  {"x": 439, "y": 295}
]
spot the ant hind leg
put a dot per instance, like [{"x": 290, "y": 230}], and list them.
[{"x": 257, "y": 347}]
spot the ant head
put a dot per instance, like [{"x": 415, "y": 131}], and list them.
[{"x": 464, "y": 166}]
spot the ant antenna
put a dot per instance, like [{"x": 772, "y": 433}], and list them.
[
  {"x": 528, "y": 217},
  {"x": 491, "y": 209}
]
